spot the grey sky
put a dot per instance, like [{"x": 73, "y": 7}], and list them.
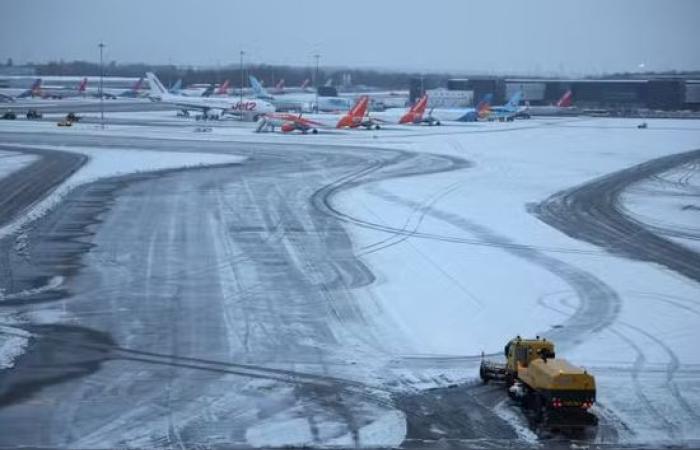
[{"x": 528, "y": 37}]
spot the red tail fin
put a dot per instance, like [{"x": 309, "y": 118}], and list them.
[
  {"x": 360, "y": 108},
  {"x": 137, "y": 85},
  {"x": 83, "y": 85},
  {"x": 415, "y": 114},
  {"x": 223, "y": 89},
  {"x": 566, "y": 100},
  {"x": 421, "y": 105}
]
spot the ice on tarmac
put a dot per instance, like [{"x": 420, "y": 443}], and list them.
[{"x": 476, "y": 267}]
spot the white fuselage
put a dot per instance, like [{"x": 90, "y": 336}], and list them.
[{"x": 248, "y": 108}]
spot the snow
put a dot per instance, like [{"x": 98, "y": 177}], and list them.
[
  {"x": 507, "y": 412},
  {"x": 286, "y": 429},
  {"x": 498, "y": 271},
  {"x": 102, "y": 163},
  {"x": 13, "y": 161},
  {"x": 105, "y": 163},
  {"x": 12, "y": 343}
]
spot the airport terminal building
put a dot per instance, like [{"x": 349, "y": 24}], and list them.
[{"x": 665, "y": 94}]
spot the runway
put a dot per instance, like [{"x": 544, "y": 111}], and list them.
[
  {"x": 223, "y": 306},
  {"x": 199, "y": 284}
]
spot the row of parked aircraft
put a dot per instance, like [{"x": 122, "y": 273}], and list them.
[
  {"x": 260, "y": 108},
  {"x": 38, "y": 90},
  {"x": 358, "y": 116}
]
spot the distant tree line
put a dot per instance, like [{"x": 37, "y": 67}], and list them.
[{"x": 269, "y": 74}]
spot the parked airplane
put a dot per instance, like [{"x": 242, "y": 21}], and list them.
[
  {"x": 223, "y": 89},
  {"x": 283, "y": 103},
  {"x": 54, "y": 92},
  {"x": 33, "y": 91},
  {"x": 135, "y": 90},
  {"x": 464, "y": 114},
  {"x": 210, "y": 107},
  {"x": 287, "y": 123},
  {"x": 508, "y": 112},
  {"x": 281, "y": 89},
  {"x": 278, "y": 89},
  {"x": 562, "y": 106},
  {"x": 357, "y": 116},
  {"x": 416, "y": 114}
]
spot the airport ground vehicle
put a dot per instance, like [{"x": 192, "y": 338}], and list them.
[
  {"x": 554, "y": 394},
  {"x": 69, "y": 120},
  {"x": 33, "y": 114},
  {"x": 9, "y": 115}
]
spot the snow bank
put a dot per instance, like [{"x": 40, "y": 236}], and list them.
[{"x": 105, "y": 163}]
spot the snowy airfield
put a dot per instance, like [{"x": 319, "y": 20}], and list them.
[{"x": 386, "y": 262}]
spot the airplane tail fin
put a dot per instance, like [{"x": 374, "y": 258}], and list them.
[
  {"x": 305, "y": 84},
  {"x": 415, "y": 113},
  {"x": 82, "y": 86},
  {"x": 175, "y": 88},
  {"x": 258, "y": 89},
  {"x": 421, "y": 105},
  {"x": 484, "y": 107},
  {"x": 223, "y": 89},
  {"x": 208, "y": 91},
  {"x": 566, "y": 100},
  {"x": 137, "y": 85},
  {"x": 514, "y": 101},
  {"x": 36, "y": 88},
  {"x": 280, "y": 85},
  {"x": 360, "y": 107},
  {"x": 156, "y": 87}
]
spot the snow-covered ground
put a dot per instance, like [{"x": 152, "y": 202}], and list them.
[
  {"x": 12, "y": 162},
  {"x": 479, "y": 268},
  {"x": 102, "y": 163}
]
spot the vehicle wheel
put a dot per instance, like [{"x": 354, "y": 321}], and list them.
[
  {"x": 256, "y": 117},
  {"x": 314, "y": 131},
  {"x": 377, "y": 127},
  {"x": 482, "y": 375},
  {"x": 437, "y": 123}
]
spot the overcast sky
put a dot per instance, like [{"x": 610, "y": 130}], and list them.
[{"x": 518, "y": 36}]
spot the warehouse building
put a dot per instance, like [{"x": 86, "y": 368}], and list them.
[{"x": 666, "y": 94}]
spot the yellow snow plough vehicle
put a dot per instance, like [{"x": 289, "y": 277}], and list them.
[{"x": 554, "y": 394}]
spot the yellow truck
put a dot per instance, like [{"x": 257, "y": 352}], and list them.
[{"x": 553, "y": 393}]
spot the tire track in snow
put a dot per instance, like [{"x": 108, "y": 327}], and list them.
[
  {"x": 592, "y": 212},
  {"x": 599, "y": 304}
]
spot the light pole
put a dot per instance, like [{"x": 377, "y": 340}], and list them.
[
  {"x": 240, "y": 104},
  {"x": 317, "y": 56},
  {"x": 102, "y": 97}
]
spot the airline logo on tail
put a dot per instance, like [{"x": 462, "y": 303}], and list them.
[
  {"x": 566, "y": 100},
  {"x": 415, "y": 114},
  {"x": 223, "y": 89},
  {"x": 354, "y": 117}
]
